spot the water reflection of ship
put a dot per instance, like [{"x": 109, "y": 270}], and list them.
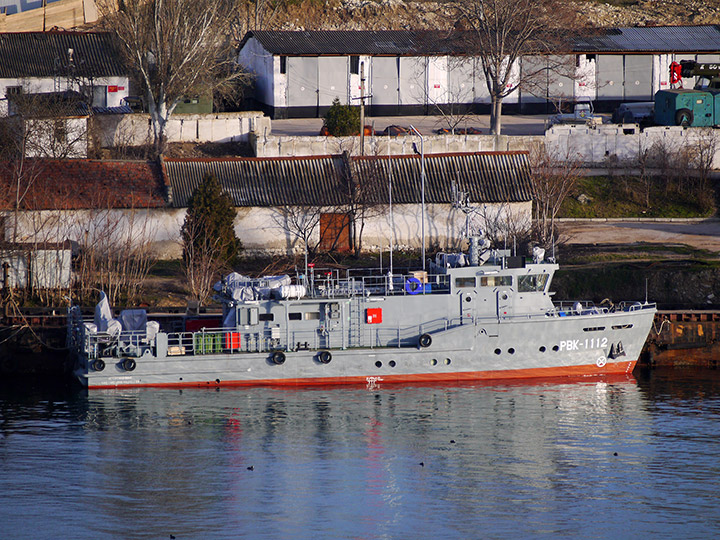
[{"x": 298, "y": 441}]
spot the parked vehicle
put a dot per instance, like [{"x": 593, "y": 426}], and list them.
[
  {"x": 635, "y": 113},
  {"x": 697, "y": 107},
  {"x": 582, "y": 112},
  {"x": 459, "y": 131}
]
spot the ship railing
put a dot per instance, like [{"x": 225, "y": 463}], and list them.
[
  {"x": 569, "y": 309},
  {"x": 220, "y": 340},
  {"x": 577, "y": 307},
  {"x": 381, "y": 285},
  {"x": 125, "y": 343},
  {"x": 370, "y": 336}
]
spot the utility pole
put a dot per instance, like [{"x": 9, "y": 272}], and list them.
[
  {"x": 362, "y": 108},
  {"x": 362, "y": 99}
]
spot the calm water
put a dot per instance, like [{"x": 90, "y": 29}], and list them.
[{"x": 618, "y": 459}]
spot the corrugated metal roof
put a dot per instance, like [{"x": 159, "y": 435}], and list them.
[
  {"x": 490, "y": 177},
  {"x": 701, "y": 38},
  {"x": 262, "y": 181},
  {"x": 705, "y": 38},
  {"x": 355, "y": 42},
  {"x": 45, "y": 54},
  {"x": 83, "y": 183},
  {"x": 487, "y": 177}
]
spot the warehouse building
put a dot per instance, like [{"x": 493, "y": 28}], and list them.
[{"x": 300, "y": 73}]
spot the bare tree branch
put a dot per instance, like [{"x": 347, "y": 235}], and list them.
[{"x": 175, "y": 48}]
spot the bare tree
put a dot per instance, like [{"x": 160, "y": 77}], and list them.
[
  {"x": 455, "y": 104},
  {"x": 501, "y": 32},
  {"x": 175, "y": 48},
  {"x": 202, "y": 260},
  {"x": 367, "y": 185},
  {"x": 255, "y": 15},
  {"x": 553, "y": 177},
  {"x": 41, "y": 126},
  {"x": 301, "y": 223}
]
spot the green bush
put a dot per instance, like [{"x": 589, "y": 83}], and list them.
[
  {"x": 342, "y": 120},
  {"x": 209, "y": 225}
]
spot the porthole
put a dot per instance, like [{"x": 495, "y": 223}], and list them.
[
  {"x": 391, "y": 363},
  {"x": 468, "y": 299},
  {"x": 378, "y": 364},
  {"x": 433, "y": 362},
  {"x": 511, "y": 350},
  {"x": 556, "y": 348},
  {"x": 447, "y": 361},
  {"x": 542, "y": 349},
  {"x": 497, "y": 351}
]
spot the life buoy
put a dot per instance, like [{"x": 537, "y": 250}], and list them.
[
  {"x": 413, "y": 285},
  {"x": 98, "y": 365},
  {"x": 278, "y": 357},
  {"x": 324, "y": 357},
  {"x": 425, "y": 340},
  {"x": 128, "y": 364}
]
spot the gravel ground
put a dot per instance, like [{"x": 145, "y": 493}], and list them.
[{"x": 704, "y": 234}]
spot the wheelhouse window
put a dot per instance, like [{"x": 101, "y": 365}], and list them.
[
  {"x": 532, "y": 283},
  {"x": 465, "y": 282},
  {"x": 496, "y": 281}
]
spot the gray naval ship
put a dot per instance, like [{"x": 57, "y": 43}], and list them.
[{"x": 485, "y": 315}]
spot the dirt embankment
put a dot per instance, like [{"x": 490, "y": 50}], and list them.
[{"x": 400, "y": 15}]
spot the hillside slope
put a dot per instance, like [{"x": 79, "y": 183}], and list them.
[{"x": 400, "y": 15}]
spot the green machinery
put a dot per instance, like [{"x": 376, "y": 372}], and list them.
[{"x": 700, "y": 106}]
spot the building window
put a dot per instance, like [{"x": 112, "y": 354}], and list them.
[
  {"x": 283, "y": 65},
  {"x": 99, "y": 96},
  {"x": 13, "y": 90},
  {"x": 60, "y": 132},
  {"x": 355, "y": 65}
]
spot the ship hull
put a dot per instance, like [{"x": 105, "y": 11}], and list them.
[{"x": 497, "y": 349}]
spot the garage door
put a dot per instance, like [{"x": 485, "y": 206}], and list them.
[
  {"x": 413, "y": 89},
  {"x": 610, "y": 76},
  {"x": 385, "y": 70},
  {"x": 638, "y": 77},
  {"x": 333, "y": 79},
  {"x": 302, "y": 81}
]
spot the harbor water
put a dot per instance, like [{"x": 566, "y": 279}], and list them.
[{"x": 633, "y": 457}]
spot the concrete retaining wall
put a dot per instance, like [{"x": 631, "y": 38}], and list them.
[
  {"x": 284, "y": 146},
  {"x": 135, "y": 129},
  {"x": 618, "y": 145}
]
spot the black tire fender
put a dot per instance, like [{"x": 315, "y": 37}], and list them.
[
  {"x": 684, "y": 117},
  {"x": 129, "y": 364},
  {"x": 278, "y": 358},
  {"x": 425, "y": 340},
  {"x": 98, "y": 365},
  {"x": 324, "y": 357}
]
